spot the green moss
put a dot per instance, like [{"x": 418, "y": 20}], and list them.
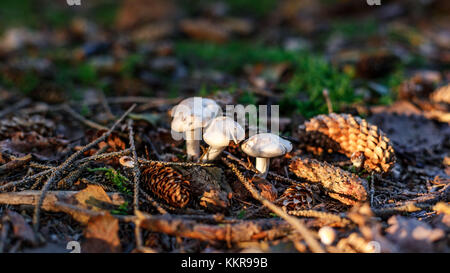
[
  {"x": 302, "y": 93},
  {"x": 123, "y": 209},
  {"x": 105, "y": 13},
  {"x": 247, "y": 98},
  {"x": 30, "y": 13},
  {"x": 352, "y": 28},
  {"x": 257, "y": 8},
  {"x": 392, "y": 81},
  {"x": 26, "y": 83},
  {"x": 17, "y": 13},
  {"x": 229, "y": 57},
  {"x": 130, "y": 64},
  {"x": 86, "y": 74},
  {"x": 116, "y": 178}
]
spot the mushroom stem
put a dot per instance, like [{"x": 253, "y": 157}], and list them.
[
  {"x": 212, "y": 153},
  {"x": 192, "y": 145},
  {"x": 262, "y": 165}
]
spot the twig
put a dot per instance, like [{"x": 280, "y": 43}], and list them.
[
  {"x": 96, "y": 157},
  {"x": 35, "y": 165},
  {"x": 105, "y": 105},
  {"x": 155, "y": 151},
  {"x": 15, "y": 107},
  {"x": 428, "y": 198},
  {"x": 238, "y": 232},
  {"x": 320, "y": 214},
  {"x": 136, "y": 176},
  {"x": 252, "y": 169},
  {"x": 15, "y": 163},
  {"x": 372, "y": 190},
  {"x": 82, "y": 119},
  {"x": 153, "y": 202},
  {"x": 296, "y": 223},
  {"x": 49, "y": 169},
  {"x": 24, "y": 180},
  {"x": 186, "y": 164},
  {"x": 49, "y": 204},
  {"x": 326, "y": 95},
  {"x": 58, "y": 170}
]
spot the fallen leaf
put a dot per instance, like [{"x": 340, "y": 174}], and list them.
[
  {"x": 93, "y": 198},
  {"x": 133, "y": 13},
  {"x": 102, "y": 235},
  {"x": 204, "y": 30},
  {"x": 412, "y": 235},
  {"x": 20, "y": 227},
  {"x": 43, "y": 148}
]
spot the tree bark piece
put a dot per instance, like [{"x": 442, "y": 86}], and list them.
[
  {"x": 238, "y": 232},
  {"x": 51, "y": 201},
  {"x": 343, "y": 186}
]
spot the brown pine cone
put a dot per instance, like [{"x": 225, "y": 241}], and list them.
[
  {"x": 296, "y": 197},
  {"x": 346, "y": 134},
  {"x": 167, "y": 184},
  {"x": 441, "y": 95},
  {"x": 342, "y": 185},
  {"x": 266, "y": 188}
]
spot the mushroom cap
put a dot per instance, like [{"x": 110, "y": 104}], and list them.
[
  {"x": 222, "y": 130},
  {"x": 266, "y": 145},
  {"x": 193, "y": 113}
]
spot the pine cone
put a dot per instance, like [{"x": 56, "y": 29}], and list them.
[
  {"x": 266, "y": 188},
  {"x": 36, "y": 123},
  {"x": 441, "y": 95},
  {"x": 343, "y": 186},
  {"x": 296, "y": 197},
  {"x": 346, "y": 134},
  {"x": 167, "y": 184}
]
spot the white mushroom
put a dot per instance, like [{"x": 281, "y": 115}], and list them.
[
  {"x": 189, "y": 116},
  {"x": 265, "y": 146},
  {"x": 218, "y": 135},
  {"x": 327, "y": 235},
  {"x": 126, "y": 161}
]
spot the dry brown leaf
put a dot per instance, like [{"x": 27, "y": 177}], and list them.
[
  {"x": 266, "y": 188},
  {"x": 89, "y": 198},
  {"x": 204, "y": 30},
  {"x": 135, "y": 12},
  {"x": 20, "y": 228},
  {"x": 102, "y": 235},
  {"x": 43, "y": 148},
  {"x": 412, "y": 235}
]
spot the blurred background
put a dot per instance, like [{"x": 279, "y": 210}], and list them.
[{"x": 252, "y": 51}]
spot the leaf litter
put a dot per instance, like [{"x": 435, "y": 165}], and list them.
[{"x": 57, "y": 109}]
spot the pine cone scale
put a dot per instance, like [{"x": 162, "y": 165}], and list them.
[
  {"x": 346, "y": 134},
  {"x": 167, "y": 184}
]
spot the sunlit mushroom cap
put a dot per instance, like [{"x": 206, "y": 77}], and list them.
[
  {"x": 222, "y": 130},
  {"x": 192, "y": 113},
  {"x": 266, "y": 145}
]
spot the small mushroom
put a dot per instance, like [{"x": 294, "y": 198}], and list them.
[
  {"x": 189, "y": 116},
  {"x": 126, "y": 161},
  {"x": 265, "y": 146},
  {"x": 218, "y": 135},
  {"x": 327, "y": 235}
]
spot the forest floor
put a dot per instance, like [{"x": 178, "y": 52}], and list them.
[{"x": 83, "y": 87}]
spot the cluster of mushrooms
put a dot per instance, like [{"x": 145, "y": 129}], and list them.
[{"x": 193, "y": 114}]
